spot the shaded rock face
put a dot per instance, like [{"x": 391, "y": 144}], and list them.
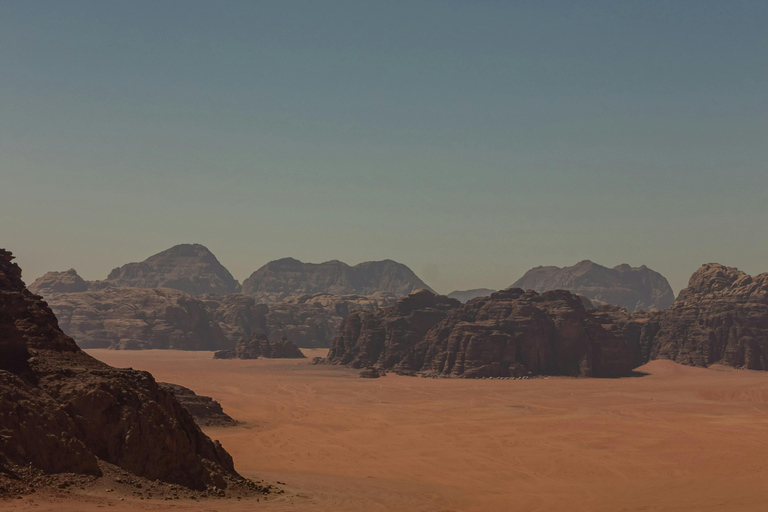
[
  {"x": 136, "y": 318},
  {"x": 260, "y": 346},
  {"x": 191, "y": 268},
  {"x": 467, "y": 295},
  {"x": 54, "y": 283},
  {"x": 286, "y": 277},
  {"x": 386, "y": 338},
  {"x": 510, "y": 333},
  {"x": 62, "y": 410},
  {"x": 721, "y": 317},
  {"x": 631, "y": 288},
  {"x": 205, "y": 410}
]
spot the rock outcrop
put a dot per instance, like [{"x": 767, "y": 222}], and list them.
[
  {"x": 631, "y": 288},
  {"x": 385, "y": 338},
  {"x": 467, "y": 295},
  {"x": 259, "y": 345},
  {"x": 206, "y": 411},
  {"x": 721, "y": 317},
  {"x": 191, "y": 268},
  {"x": 510, "y": 333},
  {"x": 62, "y": 410},
  {"x": 287, "y": 277},
  {"x": 54, "y": 283},
  {"x": 137, "y": 318}
]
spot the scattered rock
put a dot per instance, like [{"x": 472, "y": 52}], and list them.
[{"x": 372, "y": 373}]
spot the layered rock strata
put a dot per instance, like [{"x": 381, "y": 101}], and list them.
[{"x": 206, "y": 411}]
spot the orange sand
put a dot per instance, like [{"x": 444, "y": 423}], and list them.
[{"x": 679, "y": 439}]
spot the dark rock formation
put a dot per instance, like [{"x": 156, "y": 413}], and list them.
[
  {"x": 372, "y": 373},
  {"x": 510, "y": 333},
  {"x": 206, "y": 411},
  {"x": 722, "y": 317},
  {"x": 286, "y": 277},
  {"x": 631, "y": 288},
  {"x": 467, "y": 295},
  {"x": 238, "y": 316},
  {"x": 385, "y": 338},
  {"x": 62, "y": 410},
  {"x": 259, "y": 345},
  {"x": 54, "y": 283},
  {"x": 136, "y": 318},
  {"x": 191, "y": 268}
]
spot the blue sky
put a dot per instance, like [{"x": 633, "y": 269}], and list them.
[{"x": 469, "y": 140}]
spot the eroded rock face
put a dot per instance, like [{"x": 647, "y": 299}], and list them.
[
  {"x": 259, "y": 345},
  {"x": 386, "y": 338},
  {"x": 287, "y": 277},
  {"x": 722, "y": 317},
  {"x": 54, "y": 283},
  {"x": 191, "y": 268},
  {"x": 206, "y": 411},
  {"x": 138, "y": 318},
  {"x": 61, "y": 410},
  {"x": 631, "y": 288},
  {"x": 510, "y": 333}
]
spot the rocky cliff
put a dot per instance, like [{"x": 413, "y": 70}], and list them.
[
  {"x": 721, "y": 317},
  {"x": 63, "y": 411},
  {"x": 510, "y": 333},
  {"x": 258, "y": 346},
  {"x": 286, "y": 277},
  {"x": 54, "y": 283},
  {"x": 138, "y": 318},
  {"x": 631, "y": 288},
  {"x": 191, "y": 268}
]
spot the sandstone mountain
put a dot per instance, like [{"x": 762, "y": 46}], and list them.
[
  {"x": 467, "y": 295},
  {"x": 721, "y": 317},
  {"x": 259, "y": 345},
  {"x": 510, "y": 333},
  {"x": 286, "y": 277},
  {"x": 138, "y": 318},
  {"x": 63, "y": 411},
  {"x": 633, "y": 288},
  {"x": 205, "y": 410},
  {"x": 54, "y": 283},
  {"x": 191, "y": 268}
]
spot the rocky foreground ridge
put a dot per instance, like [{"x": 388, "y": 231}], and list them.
[
  {"x": 720, "y": 318},
  {"x": 633, "y": 288},
  {"x": 63, "y": 411}
]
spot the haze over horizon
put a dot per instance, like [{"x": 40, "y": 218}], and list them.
[{"x": 469, "y": 141}]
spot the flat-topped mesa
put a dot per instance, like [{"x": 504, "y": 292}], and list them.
[
  {"x": 61, "y": 410},
  {"x": 286, "y": 277},
  {"x": 386, "y": 337},
  {"x": 633, "y": 288},
  {"x": 510, "y": 333},
  {"x": 722, "y": 317},
  {"x": 191, "y": 268},
  {"x": 258, "y": 346}
]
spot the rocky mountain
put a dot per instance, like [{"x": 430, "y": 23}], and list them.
[
  {"x": 386, "y": 337},
  {"x": 633, "y": 288},
  {"x": 259, "y": 345},
  {"x": 191, "y": 268},
  {"x": 467, "y": 295},
  {"x": 510, "y": 333},
  {"x": 63, "y": 411},
  {"x": 286, "y": 277},
  {"x": 205, "y": 410},
  {"x": 54, "y": 283},
  {"x": 721, "y": 317},
  {"x": 139, "y": 318}
]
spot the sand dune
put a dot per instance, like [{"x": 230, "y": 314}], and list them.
[{"x": 677, "y": 439}]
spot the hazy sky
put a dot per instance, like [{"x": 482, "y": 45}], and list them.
[{"x": 469, "y": 140}]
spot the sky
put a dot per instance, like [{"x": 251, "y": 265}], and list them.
[{"x": 470, "y": 140}]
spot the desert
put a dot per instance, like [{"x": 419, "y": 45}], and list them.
[{"x": 678, "y": 438}]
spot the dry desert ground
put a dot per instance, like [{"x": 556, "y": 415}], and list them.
[{"x": 676, "y": 439}]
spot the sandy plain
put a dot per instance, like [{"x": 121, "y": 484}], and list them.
[{"x": 676, "y": 439}]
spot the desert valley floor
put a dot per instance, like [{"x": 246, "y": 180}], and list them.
[{"x": 677, "y": 439}]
